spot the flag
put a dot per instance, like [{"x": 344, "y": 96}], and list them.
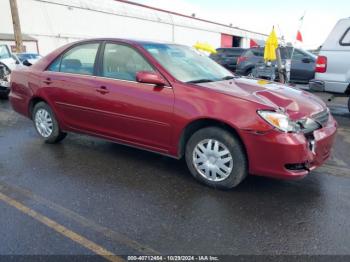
[
  {"x": 299, "y": 36},
  {"x": 253, "y": 43},
  {"x": 270, "y": 46},
  {"x": 205, "y": 47}
]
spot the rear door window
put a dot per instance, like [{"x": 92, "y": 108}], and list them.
[{"x": 79, "y": 60}]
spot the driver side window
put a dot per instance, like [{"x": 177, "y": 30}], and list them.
[{"x": 123, "y": 62}]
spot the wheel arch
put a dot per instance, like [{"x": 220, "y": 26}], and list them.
[
  {"x": 32, "y": 104},
  {"x": 198, "y": 124},
  {"x": 347, "y": 91}
]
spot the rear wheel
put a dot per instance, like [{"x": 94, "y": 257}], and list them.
[
  {"x": 46, "y": 124},
  {"x": 216, "y": 158},
  {"x": 4, "y": 95}
]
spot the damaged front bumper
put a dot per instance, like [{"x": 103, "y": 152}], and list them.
[{"x": 290, "y": 155}]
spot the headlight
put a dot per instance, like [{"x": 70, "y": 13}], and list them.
[{"x": 279, "y": 121}]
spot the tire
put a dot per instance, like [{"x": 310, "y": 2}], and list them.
[
  {"x": 49, "y": 130},
  {"x": 249, "y": 73},
  {"x": 227, "y": 177},
  {"x": 4, "y": 95}
]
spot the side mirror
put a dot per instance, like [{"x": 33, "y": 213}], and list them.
[
  {"x": 150, "y": 78},
  {"x": 306, "y": 60},
  {"x": 26, "y": 63}
]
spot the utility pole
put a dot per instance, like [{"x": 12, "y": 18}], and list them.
[
  {"x": 279, "y": 66},
  {"x": 16, "y": 26}
]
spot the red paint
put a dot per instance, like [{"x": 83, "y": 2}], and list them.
[
  {"x": 155, "y": 117},
  {"x": 226, "y": 40}
]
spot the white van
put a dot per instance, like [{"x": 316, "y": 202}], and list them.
[{"x": 333, "y": 63}]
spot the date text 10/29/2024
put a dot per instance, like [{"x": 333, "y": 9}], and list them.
[{"x": 173, "y": 258}]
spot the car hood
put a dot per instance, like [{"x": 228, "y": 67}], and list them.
[
  {"x": 9, "y": 62},
  {"x": 297, "y": 103}
]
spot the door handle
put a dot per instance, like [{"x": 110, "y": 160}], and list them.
[
  {"x": 102, "y": 90},
  {"x": 48, "y": 81}
]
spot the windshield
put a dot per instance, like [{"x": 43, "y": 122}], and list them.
[
  {"x": 4, "y": 52},
  {"x": 186, "y": 64}
]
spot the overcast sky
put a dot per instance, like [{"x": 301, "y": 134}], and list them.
[{"x": 261, "y": 15}]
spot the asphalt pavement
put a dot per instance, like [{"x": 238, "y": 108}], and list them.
[{"x": 89, "y": 196}]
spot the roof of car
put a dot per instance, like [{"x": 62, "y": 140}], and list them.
[
  {"x": 126, "y": 40},
  {"x": 231, "y": 48}
]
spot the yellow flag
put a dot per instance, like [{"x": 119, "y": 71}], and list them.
[
  {"x": 270, "y": 46},
  {"x": 205, "y": 47}
]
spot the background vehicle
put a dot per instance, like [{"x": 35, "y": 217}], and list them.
[
  {"x": 32, "y": 58},
  {"x": 302, "y": 67},
  {"x": 7, "y": 63},
  {"x": 227, "y": 57},
  {"x": 169, "y": 99},
  {"x": 333, "y": 63}
]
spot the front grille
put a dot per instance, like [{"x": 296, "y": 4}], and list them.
[
  {"x": 319, "y": 120},
  {"x": 321, "y": 117}
]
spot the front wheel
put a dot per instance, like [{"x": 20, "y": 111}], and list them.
[
  {"x": 216, "y": 158},
  {"x": 46, "y": 124}
]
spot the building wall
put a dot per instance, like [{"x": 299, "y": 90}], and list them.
[
  {"x": 30, "y": 46},
  {"x": 56, "y": 22}
]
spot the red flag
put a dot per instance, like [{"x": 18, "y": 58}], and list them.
[
  {"x": 253, "y": 43},
  {"x": 299, "y": 37}
]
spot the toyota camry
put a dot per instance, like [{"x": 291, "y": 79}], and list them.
[{"x": 171, "y": 99}]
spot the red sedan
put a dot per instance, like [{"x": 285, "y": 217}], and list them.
[{"x": 172, "y": 100}]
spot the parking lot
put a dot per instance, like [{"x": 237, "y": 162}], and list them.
[{"x": 86, "y": 195}]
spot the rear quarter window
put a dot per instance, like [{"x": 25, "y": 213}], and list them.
[
  {"x": 55, "y": 65},
  {"x": 345, "y": 39}
]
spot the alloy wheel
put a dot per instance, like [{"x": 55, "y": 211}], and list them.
[{"x": 43, "y": 122}]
